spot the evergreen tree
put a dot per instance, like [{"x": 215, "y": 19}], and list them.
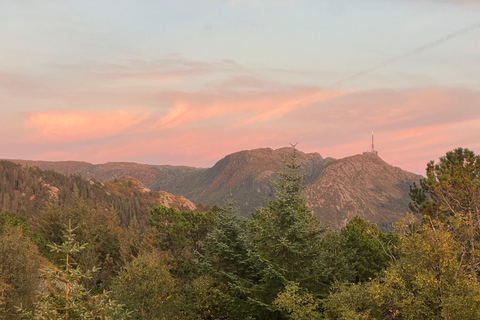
[
  {"x": 229, "y": 269},
  {"x": 68, "y": 299},
  {"x": 258, "y": 258},
  {"x": 179, "y": 234},
  {"x": 366, "y": 248}
]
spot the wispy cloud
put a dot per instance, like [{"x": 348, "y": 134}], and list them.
[
  {"x": 180, "y": 111},
  {"x": 251, "y": 106},
  {"x": 71, "y": 126}
]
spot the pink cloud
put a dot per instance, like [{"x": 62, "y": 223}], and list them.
[
  {"x": 197, "y": 127},
  {"x": 256, "y": 106},
  {"x": 68, "y": 126}
]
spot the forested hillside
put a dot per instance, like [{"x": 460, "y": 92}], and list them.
[
  {"x": 336, "y": 189},
  {"x": 29, "y": 191},
  {"x": 73, "y": 258}
]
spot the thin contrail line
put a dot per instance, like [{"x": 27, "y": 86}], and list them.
[{"x": 419, "y": 50}]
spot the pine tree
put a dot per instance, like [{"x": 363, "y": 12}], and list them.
[
  {"x": 68, "y": 299},
  {"x": 257, "y": 259}
]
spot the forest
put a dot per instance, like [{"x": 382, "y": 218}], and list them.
[{"x": 82, "y": 253}]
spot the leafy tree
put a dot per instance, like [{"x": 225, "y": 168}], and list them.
[
  {"x": 435, "y": 275},
  {"x": 19, "y": 270},
  {"x": 205, "y": 298},
  {"x": 451, "y": 194},
  {"x": 452, "y": 186},
  {"x": 428, "y": 281},
  {"x": 147, "y": 289},
  {"x": 297, "y": 305}
]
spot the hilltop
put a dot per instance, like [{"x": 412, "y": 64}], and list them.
[{"x": 336, "y": 189}]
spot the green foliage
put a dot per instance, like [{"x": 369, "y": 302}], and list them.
[
  {"x": 451, "y": 186},
  {"x": 68, "y": 299},
  {"x": 19, "y": 270},
  {"x": 255, "y": 260},
  {"x": 205, "y": 298},
  {"x": 287, "y": 238},
  {"x": 175, "y": 230},
  {"x": 435, "y": 274},
  {"x": 451, "y": 194},
  {"x": 147, "y": 289},
  {"x": 297, "y": 305},
  {"x": 366, "y": 248},
  {"x": 227, "y": 248},
  {"x": 231, "y": 268},
  {"x": 428, "y": 281},
  {"x": 278, "y": 265},
  {"x": 11, "y": 219},
  {"x": 179, "y": 234},
  {"x": 99, "y": 228}
]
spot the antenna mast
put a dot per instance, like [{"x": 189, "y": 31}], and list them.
[{"x": 372, "y": 151}]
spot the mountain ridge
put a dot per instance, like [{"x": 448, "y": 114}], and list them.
[{"x": 336, "y": 189}]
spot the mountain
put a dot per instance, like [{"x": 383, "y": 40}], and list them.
[
  {"x": 363, "y": 185},
  {"x": 336, "y": 189}
]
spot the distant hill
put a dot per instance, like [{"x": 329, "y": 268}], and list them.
[
  {"x": 29, "y": 190},
  {"x": 336, "y": 189}
]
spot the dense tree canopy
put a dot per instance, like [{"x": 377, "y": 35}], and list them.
[{"x": 79, "y": 258}]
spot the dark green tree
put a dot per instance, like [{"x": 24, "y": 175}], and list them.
[
  {"x": 366, "y": 248},
  {"x": 257, "y": 259},
  {"x": 229, "y": 269},
  {"x": 179, "y": 234}
]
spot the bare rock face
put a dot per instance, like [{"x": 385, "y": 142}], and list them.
[
  {"x": 363, "y": 185},
  {"x": 178, "y": 202},
  {"x": 128, "y": 187},
  {"x": 247, "y": 177}
]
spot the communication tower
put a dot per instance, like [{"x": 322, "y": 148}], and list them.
[{"x": 373, "y": 151}]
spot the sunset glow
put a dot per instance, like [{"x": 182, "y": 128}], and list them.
[{"x": 188, "y": 82}]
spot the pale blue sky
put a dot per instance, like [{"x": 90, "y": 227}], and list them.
[{"x": 228, "y": 66}]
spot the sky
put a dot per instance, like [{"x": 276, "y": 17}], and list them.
[{"x": 187, "y": 82}]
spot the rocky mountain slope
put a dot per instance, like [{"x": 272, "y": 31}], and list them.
[
  {"x": 362, "y": 185},
  {"x": 336, "y": 189}
]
